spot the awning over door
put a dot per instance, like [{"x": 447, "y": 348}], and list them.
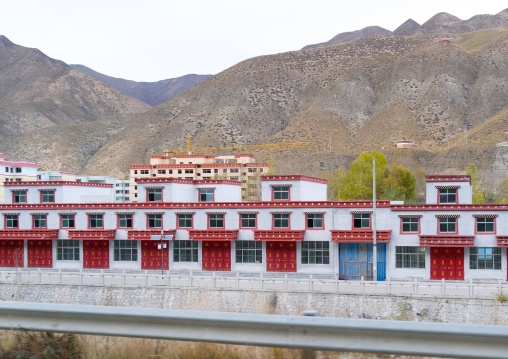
[
  {"x": 93, "y": 234},
  {"x": 213, "y": 235},
  {"x": 30, "y": 234},
  {"x": 146, "y": 235},
  {"x": 446, "y": 241},
  {"x": 278, "y": 236},
  {"x": 358, "y": 236}
]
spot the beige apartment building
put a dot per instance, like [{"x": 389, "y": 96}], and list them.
[
  {"x": 239, "y": 167},
  {"x": 15, "y": 172}
]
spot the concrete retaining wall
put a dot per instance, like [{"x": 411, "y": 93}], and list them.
[{"x": 473, "y": 311}]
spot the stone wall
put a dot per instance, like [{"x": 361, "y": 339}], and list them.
[{"x": 473, "y": 311}]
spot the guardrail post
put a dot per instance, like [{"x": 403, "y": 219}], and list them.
[
  {"x": 362, "y": 284},
  {"x": 499, "y": 286},
  {"x": 285, "y": 281},
  {"x": 80, "y": 276},
  {"x": 190, "y": 279},
  {"x": 60, "y": 275},
  {"x": 18, "y": 275},
  {"x": 123, "y": 277},
  {"x": 470, "y": 288},
  {"x": 38, "y": 275},
  {"x": 337, "y": 283},
  {"x": 388, "y": 285},
  {"x": 309, "y": 353},
  {"x": 102, "y": 276},
  {"x": 310, "y": 283},
  {"x": 214, "y": 282},
  {"x": 261, "y": 281},
  {"x": 415, "y": 291},
  {"x": 442, "y": 287},
  {"x": 237, "y": 280},
  {"x": 146, "y": 278}
]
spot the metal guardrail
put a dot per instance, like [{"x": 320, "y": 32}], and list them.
[
  {"x": 318, "y": 333},
  {"x": 273, "y": 281}
]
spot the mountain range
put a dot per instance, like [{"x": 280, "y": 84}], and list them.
[
  {"x": 360, "y": 95},
  {"x": 152, "y": 93}
]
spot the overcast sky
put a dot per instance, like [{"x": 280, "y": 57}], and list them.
[{"x": 160, "y": 39}]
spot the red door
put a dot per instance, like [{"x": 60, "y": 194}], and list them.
[
  {"x": 281, "y": 256},
  {"x": 96, "y": 254},
  {"x": 40, "y": 253},
  {"x": 151, "y": 255},
  {"x": 447, "y": 263},
  {"x": 11, "y": 253},
  {"x": 216, "y": 256}
]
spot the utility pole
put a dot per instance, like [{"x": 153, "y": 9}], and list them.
[{"x": 374, "y": 240}]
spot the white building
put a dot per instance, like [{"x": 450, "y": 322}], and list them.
[{"x": 293, "y": 228}]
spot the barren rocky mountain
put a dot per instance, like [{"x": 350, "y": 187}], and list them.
[
  {"x": 37, "y": 91},
  {"x": 152, "y": 93},
  {"x": 356, "y": 96},
  {"x": 440, "y": 23}
]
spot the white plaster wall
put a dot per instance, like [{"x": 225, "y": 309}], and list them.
[
  {"x": 464, "y": 191},
  {"x": 312, "y": 191}
]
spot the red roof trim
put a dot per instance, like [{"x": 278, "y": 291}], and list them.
[
  {"x": 146, "y": 235},
  {"x": 22, "y": 164},
  {"x": 94, "y": 234},
  {"x": 359, "y": 236},
  {"x": 294, "y": 178},
  {"x": 213, "y": 235},
  {"x": 192, "y": 205},
  {"x": 30, "y": 234},
  {"x": 57, "y": 183},
  {"x": 449, "y": 207},
  {"x": 448, "y": 178}
]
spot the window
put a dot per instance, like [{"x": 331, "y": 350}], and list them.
[
  {"x": 161, "y": 172},
  {"x": 315, "y": 253},
  {"x": 207, "y": 170},
  {"x": 189, "y": 171},
  {"x": 234, "y": 170},
  {"x": 143, "y": 172},
  {"x": 47, "y": 196},
  {"x": 67, "y": 220},
  {"x": 125, "y": 250},
  {"x": 447, "y": 195},
  {"x": 135, "y": 172},
  {"x": 206, "y": 195},
  {"x": 11, "y": 221},
  {"x": 281, "y": 220},
  {"x": 361, "y": 220},
  {"x": 56, "y": 178},
  {"x": 249, "y": 252},
  {"x": 409, "y": 257},
  {"x": 410, "y": 224},
  {"x": 39, "y": 221},
  {"x": 485, "y": 224},
  {"x": 315, "y": 220},
  {"x": 280, "y": 193},
  {"x": 154, "y": 194},
  {"x": 184, "y": 220},
  {"x": 19, "y": 196},
  {"x": 124, "y": 220},
  {"x": 447, "y": 224},
  {"x": 185, "y": 251},
  {"x": 67, "y": 250},
  {"x": 95, "y": 220},
  {"x": 215, "y": 220},
  {"x": 154, "y": 220},
  {"x": 247, "y": 220},
  {"x": 18, "y": 169},
  {"x": 484, "y": 258}
]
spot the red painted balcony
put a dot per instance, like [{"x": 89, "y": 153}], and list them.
[
  {"x": 441, "y": 240},
  {"x": 279, "y": 235},
  {"x": 502, "y": 241},
  {"x": 30, "y": 234},
  {"x": 213, "y": 235},
  {"x": 93, "y": 234},
  {"x": 359, "y": 236},
  {"x": 146, "y": 235}
]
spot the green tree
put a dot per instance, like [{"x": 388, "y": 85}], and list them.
[
  {"x": 271, "y": 166},
  {"x": 357, "y": 182},
  {"x": 478, "y": 194},
  {"x": 395, "y": 183}
]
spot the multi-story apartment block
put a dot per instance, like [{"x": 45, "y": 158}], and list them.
[
  {"x": 15, "y": 172},
  {"x": 199, "y": 167},
  {"x": 293, "y": 228}
]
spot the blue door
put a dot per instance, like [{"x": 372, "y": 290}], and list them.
[{"x": 355, "y": 261}]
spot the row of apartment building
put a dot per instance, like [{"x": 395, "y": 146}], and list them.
[{"x": 204, "y": 225}]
